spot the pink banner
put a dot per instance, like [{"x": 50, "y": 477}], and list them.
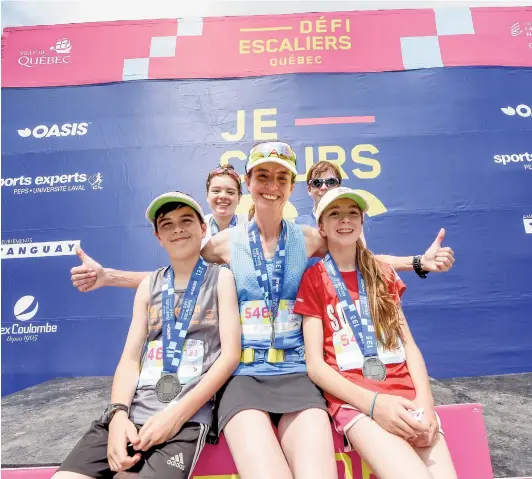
[
  {"x": 367, "y": 41},
  {"x": 464, "y": 431}
]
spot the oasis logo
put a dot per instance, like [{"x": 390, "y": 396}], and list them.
[
  {"x": 26, "y": 308},
  {"x": 44, "y": 131},
  {"x": 522, "y": 110}
]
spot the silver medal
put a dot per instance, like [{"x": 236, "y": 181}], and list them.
[
  {"x": 167, "y": 388},
  {"x": 374, "y": 368}
]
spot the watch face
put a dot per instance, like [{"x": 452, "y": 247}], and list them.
[{"x": 109, "y": 410}]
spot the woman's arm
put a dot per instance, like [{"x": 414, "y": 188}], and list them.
[{"x": 218, "y": 248}]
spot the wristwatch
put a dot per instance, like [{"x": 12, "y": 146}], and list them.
[
  {"x": 416, "y": 263},
  {"x": 112, "y": 409}
]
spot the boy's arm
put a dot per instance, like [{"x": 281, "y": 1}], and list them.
[
  {"x": 121, "y": 429},
  {"x": 164, "y": 425},
  {"x": 91, "y": 275},
  {"x": 315, "y": 244}
]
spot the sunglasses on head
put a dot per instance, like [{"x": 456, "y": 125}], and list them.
[
  {"x": 319, "y": 182},
  {"x": 275, "y": 149},
  {"x": 225, "y": 171}
]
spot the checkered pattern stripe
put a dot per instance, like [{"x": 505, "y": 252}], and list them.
[{"x": 160, "y": 47}]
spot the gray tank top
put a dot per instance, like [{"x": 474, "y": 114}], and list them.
[{"x": 202, "y": 347}]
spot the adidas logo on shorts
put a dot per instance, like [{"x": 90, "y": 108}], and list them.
[{"x": 177, "y": 461}]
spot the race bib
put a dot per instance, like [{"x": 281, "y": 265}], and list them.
[
  {"x": 349, "y": 356},
  {"x": 190, "y": 368},
  {"x": 255, "y": 319}
]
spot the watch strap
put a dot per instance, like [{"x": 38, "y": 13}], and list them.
[
  {"x": 416, "y": 263},
  {"x": 113, "y": 408}
]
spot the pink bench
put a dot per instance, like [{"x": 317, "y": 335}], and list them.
[{"x": 464, "y": 431}]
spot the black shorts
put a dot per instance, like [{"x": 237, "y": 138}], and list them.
[
  {"x": 276, "y": 395},
  {"x": 175, "y": 459}
]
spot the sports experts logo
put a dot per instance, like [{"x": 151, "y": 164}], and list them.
[
  {"x": 23, "y": 185},
  {"x": 524, "y": 159},
  {"x": 522, "y": 110},
  {"x": 25, "y": 309}
]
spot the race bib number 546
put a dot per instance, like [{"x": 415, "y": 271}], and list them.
[{"x": 191, "y": 363}]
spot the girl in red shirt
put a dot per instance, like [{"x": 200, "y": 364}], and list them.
[{"x": 360, "y": 351}]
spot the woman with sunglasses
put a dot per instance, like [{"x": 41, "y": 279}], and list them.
[
  {"x": 321, "y": 177},
  {"x": 224, "y": 190}
]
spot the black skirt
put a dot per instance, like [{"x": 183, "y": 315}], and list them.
[{"x": 273, "y": 394}]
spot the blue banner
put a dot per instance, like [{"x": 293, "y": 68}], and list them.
[{"x": 436, "y": 148}]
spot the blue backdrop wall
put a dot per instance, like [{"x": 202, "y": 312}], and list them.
[{"x": 447, "y": 148}]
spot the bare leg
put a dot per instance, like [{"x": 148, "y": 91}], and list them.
[
  {"x": 306, "y": 439},
  {"x": 255, "y": 447},
  {"x": 390, "y": 456},
  {"x": 438, "y": 460}
]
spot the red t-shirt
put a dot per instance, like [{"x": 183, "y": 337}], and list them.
[{"x": 317, "y": 297}]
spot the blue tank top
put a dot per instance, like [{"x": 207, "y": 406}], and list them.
[{"x": 254, "y": 315}]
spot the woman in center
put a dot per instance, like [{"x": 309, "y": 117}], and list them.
[{"x": 268, "y": 257}]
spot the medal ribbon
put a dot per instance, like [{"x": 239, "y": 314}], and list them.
[
  {"x": 215, "y": 229},
  {"x": 271, "y": 291},
  {"x": 362, "y": 327},
  {"x": 175, "y": 330}
]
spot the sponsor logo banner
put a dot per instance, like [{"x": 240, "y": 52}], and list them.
[
  {"x": 522, "y": 159},
  {"x": 22, "y": 185},
  {"x": 521, "y": 110},
  {"x": 57, "y": 54},
  {"x": 39, "y": 250},
  {"x": 25, "y": 309},
  {"x": 266, "y": 45},
  {"x": 44, "y": 131},
  {"x": 527, "y": 222}
]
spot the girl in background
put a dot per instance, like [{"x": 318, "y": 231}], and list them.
[{"x": 224, "y": 190}]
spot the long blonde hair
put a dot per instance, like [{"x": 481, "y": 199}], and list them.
[{"x": 383, "y": 305}]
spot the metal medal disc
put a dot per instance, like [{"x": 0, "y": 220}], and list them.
[
  {"x": 374, "y": 368},
  {"x": 167, "y": 388}
]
